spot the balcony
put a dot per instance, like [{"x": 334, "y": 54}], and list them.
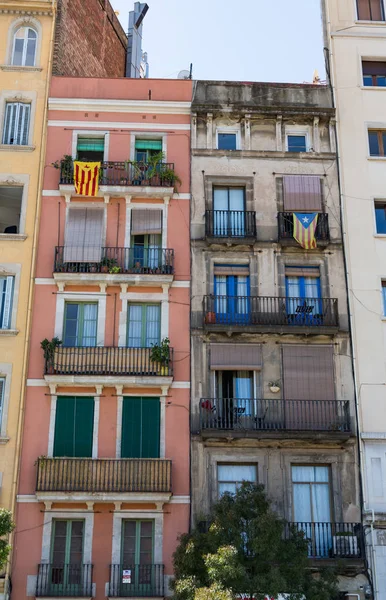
[
  {"x": 270, "y": 313},
  {"x": 331, "y": 540},
  {"x": 117, "y": 178},
  {"x": 104, "y": 476},
  {"x": 146, "y": 266},
  {"x": 269, "y": 417},
  {"x": 139, "y": 581},
  {"x": 64, "y": 580},
  {"x": 230, "y": 226},
  {"x": 286, "y": 229},
  {"x": 77, "y": 364}
]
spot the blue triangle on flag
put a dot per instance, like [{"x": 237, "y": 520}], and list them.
[{"x": 305, "y": 218}]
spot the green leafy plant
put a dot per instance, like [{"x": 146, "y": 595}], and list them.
[
  {"x": 115, "y": 269},
  {"x": 49, "y": 347},
  {"x": 170, "y": 178},
  {"x": 66, "y": 163},
  {"x": 245, "y": 548},
  {"x": 6, "y": 527},
  {"x": 108, "y": 263},
  {"x": 160, "y": 353}
]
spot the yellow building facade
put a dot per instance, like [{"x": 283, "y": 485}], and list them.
[{"x": 26, "y": 49}]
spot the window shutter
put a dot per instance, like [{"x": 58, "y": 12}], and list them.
[
  {"x": 146, "y": 221},
  {"x": 364, "y": 10},
  {"x": 93, "y": 144},
  {"x": 24, "y": 117},
  {"x": 83, "y": 427},
  {"x": 83, "y": 235},
  {"x": 373, "y": 67},
  {"x": 74, "y": 425},
  {"x": 7, "y": 303},
  {"x": 148, "y": 145},
  {"x": 64, "y": 427},
  {"x": 140, "y": 428},
  {"x": 10, "y": 116},
  {"x": 308, "y": 372},
  {"x": 302, "y": 192},
  {"x": 229, "y": 357}
]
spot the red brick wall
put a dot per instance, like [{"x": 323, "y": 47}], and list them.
[{"x": 89, "y": 40}]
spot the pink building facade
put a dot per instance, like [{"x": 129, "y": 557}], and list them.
[{"x": 104, "y": 482}]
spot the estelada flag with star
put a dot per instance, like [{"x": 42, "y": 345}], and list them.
[
  {"x": 86, "y": 177},
  {"x": 304, "y": 229}
]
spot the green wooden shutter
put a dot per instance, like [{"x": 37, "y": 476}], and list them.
[
  {"x": 140, "y": 428},
  {"x": 74, "y": 424}
]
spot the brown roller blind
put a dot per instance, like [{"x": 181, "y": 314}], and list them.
[
  {"x": 308, "y": 372},
  {"x": 370, "y": 10},
  {"x": 227, "y": 357},
  {"x": 302, "y": 272},
  {"x": 231, "y": 270},
  {"x": 146, "y": 221},
  {"x": 83, "y": 235},
  {"x": 302, "y": 192},
  {"x": 373, "y": 67}
]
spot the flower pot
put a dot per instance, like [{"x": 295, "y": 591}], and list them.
[
  {"x": 163, "y": 370},
  {"x": 274, "y": 389},
  {"x": 104, "y": 269},
  {"x": 210, "y": 317}
]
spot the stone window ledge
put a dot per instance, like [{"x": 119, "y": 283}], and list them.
[
  {"x": 13, "y": 237},
  {"x": 4, "y": 440},
  {"x": 19, "y": 68},
  {"x": 17, "y": 148},
  {"x": 8, "y": 332}
]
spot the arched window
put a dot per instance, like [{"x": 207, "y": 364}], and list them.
[{"x": 24, "y": 47}]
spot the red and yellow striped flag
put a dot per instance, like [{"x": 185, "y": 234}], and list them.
[
  {"x": 304, "y": 229},
  {"x": 86, "y": 177}
]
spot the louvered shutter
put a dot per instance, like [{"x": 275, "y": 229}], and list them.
[
  {"x": 10, "y": 110},
  {"x": 83, "y": 240},
  {"x": 16, "y": 123},
  {"x": 6, "y": 302},
  {"x": 74, "y": 424},
  {"x": 230, "y": 357},
  {"x": 308, "y": 372}
]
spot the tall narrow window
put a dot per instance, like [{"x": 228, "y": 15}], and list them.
[
  {"x": 384, "y": 297},
  {"x": 2, "y": 391},
  {"x": 371, "y": 10},
  {"x": 80, "y": 324},
  {"x": 146, "y": 239},
  {"x": 6, "y": 297},
  {"x": 24, "y": 47},
  {"x": 11, "y": 197},
  {"x": 16, "y": 123},
  {"x": 380, "y": 216},
  {"x": 139, "y": 573},
  {"x": 304, "y": 304},
  {"x": 229, "y": 212},
  {"x": 143, "y": 329},
  {"x": 232, "y": 291},
  {"x": 377, "y": 142},
  {"x": 66, "y": 577}
]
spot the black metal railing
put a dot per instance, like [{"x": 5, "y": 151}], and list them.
[
  {"x": 230, "y": 223},
  {"x": 286, "y": 227},
  {"x": 330, "y": 540},
  {"x": 106, "y": 360},
  {"x": 125, "y": 174},
  {"x": 98, "y": 259},
  {"x": 69, "y": 580},
  {"x": 270, "y": 310},
  {"x": 104, "y": 475},
  {"x": 246, "y": 414},
  {"x": 138, "y": 581}
]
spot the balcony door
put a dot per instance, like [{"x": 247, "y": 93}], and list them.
[
  {"x": 66, "y": 577},
  {"x": 74, "y": 426},
  {"x": 232, "y": 294},
  {"x": 304, "y": 304},
  {"x": 140, "y": 428},
  {"x": 229, "y": 212},
  {"x": 80, "y": 324},
  {"x": 138, "y": 575},
  {"x": 147, "y": 252},
  {"x": 312, "y": 506},
  {"x": 234, "y": 394}
]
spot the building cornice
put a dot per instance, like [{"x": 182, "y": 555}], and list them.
[
  {"x": 120, "y": 106},
  {"x": 40, "y": 11}
]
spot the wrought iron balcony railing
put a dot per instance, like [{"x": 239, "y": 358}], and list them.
[
  {"x": 139, "y": 581},
  {"x": 230, "y": 224},
  {"x": 137, "y": 261},
  {"x": 330, "y": 540},
  {"x": 107, "y": 360},
  {"x": 247, "y": 311},
  {"x": 64, "y": 580},
  {"x": 246, "y": 414},
  {"x": 286, "y": 227},
  {"x": 125, "y": 174},
  {"x": 104, "y": 475}
]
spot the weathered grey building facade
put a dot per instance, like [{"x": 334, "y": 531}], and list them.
[{"x": 272, "y": 386}]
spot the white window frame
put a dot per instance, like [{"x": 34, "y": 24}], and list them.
[
  {"x": 298, "y": 131},
  {"x": 234, "y": 130},
  {"x": 8, "y": 299},
  {"x": 25, "y": 44},
  {"x": 85, "y": 297},
  {"x": 6, "y": 375},
  {"x": 17, "y": 120},
  {"x": 90, "y": 134},
  {"x": 32, "y": 23},
  {"x": 147, "y": 206},
  {"x": 86, "y": 516},
  {"x": 7, "y": 96},
  {"x": 226, "y": 463},
  {"x": 156, "y": 298},
  {"x": 151, "y": 136},
  {"x": 119, "y": 516},
  {"x": 363, "y": 20}
]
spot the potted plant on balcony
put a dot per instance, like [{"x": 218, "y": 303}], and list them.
[
  {"x": 49, "y": 347},
  {"x": 210, "y": 317},
  {"x": 114, "y": 269},
  {"x": 107, "y": 264},
  {"x": 274, "y": 386},
  {"x": 160, "y": 354}
]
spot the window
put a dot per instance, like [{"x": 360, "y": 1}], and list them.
[
  {"x": 10, "y": 208},
  {"x": 304, "y": 304},
  {"x": 143, "y": 326},
  {"x": 83, "y": 235},
  {"x": 146, "y": 149},
  {"x": 302, "y": 193},
  {"x": 296, "y": 143},
  {"x": 146, "y": 238},
  {"x": 6, "y": 297},
  {"x": 140, "y": 428},
  {"x": 66, "y": 558},
  {"x": 90, "y": 149},
  {"x": 375, "y": 454},
  {"x": 370, "y": 10},
  {"x": 377, "y": 142},
  {"x": 226, "y": 141},
  {"x": 80, "y": 324},
  {"x": 16, "y": 123},
  {"x": 229, "y": 211},
  {"x": 230, "y": 476},
  {"x": 380, "y": 217},
  {"x": 374, "y": 73},
  {"x": 232, "y": 290},
  {"x": 138, "y": 558},
  {"x": 74, "y": 425},
  {"x": 24, "y": 47},
  {"x": 234, "y": 391}
]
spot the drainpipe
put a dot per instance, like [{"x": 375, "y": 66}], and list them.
[{"x": 20, "y": 422}]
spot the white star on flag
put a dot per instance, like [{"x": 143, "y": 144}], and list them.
[{"x": 305, "y": 219}]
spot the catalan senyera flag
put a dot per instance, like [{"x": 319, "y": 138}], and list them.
[
  {"x": 304, "y": 229},
  {"x": 86, "y": 177}
]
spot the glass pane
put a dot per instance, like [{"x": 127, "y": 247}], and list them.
[
  {"x": 302, "y": 503},
  {"x": 236, "y": 472},
  {"x": 384, "y": 142},
  {"x": 367, "y": 80},
  {"x": 303, "y": 473},
  {"x": 226, "y": 141},
  {"x": 30, "y": 56},
  {"x": 373, "y": 143},
  {"x": 221, "y": 290},
  {"x": 71, "y": 325},
  {"x": 18, "y": 52},
  {"x": 76, "y": 543},
  {"x": 89, "y": 334},
  {"x": 152, "y": 325},
  {"x": 320, "y": 494},
  {"x": 226, "y": 487},
  {"x": 59, "y": 545},
  {"x": 134, "y": 334},
  {"x": 380, "y": 218},
  {"x": 220, "y": 199},
  {"x": 384, "y": 299},
  {"x": 236, "y": 199},
  {"x": 381, "y": 80},
  {"x": 243, "y": 384},
  {"x": 129, "y": 542},
  {"x": 297, "y": 143},
  {"x": 293, "y": 287},
  {"x": 321, "y": 474},
  {"x": 311, "y": 287}
]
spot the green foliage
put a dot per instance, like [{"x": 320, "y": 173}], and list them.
[
  {"x": 245, "y": 551},
  {"x": 161, "y": 352},
  {"x": 49, "y": 346},
  {"x": 6, "y": 527}
]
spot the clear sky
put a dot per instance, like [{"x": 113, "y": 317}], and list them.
[{"x": 245, "y": 40}]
